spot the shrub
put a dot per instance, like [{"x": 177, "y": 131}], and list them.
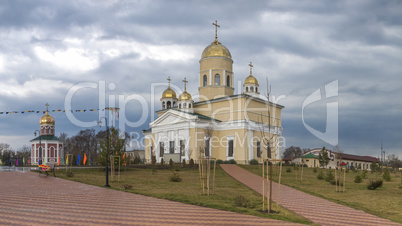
[
  {"x": 183, "y": 163},
  {"x": 329, "y": 176},
  {"x": 320, "y": 175},
  {"x": 127, "y": 186},
  {"x": 219, "y": 161},
  {"x": 364, "y": 175},
  {"x": 253, "y": 162},
  {"x": 191, "y": 163},
  {"x": 386, "y": 176},
  {"x": 137, "y": 160},
  {"x": 288, "y": 170},
  {"x": 226, "y": 162},
  {"x": 373, "y": 184},
  {"x": 175, "y": 177},
  {"x": 153, "y": 161},
  {"x": 315, "y": 170},
  {"x": 358, "y": 179},
  {"x": 338, "y": 181},
  {"x": 241, "y": 201},
  {"x": 162, "y": 162},
  {"x": 171, "y": 163},
  {"x": 232, "y": 161},
  {"x": 70, "y": 174}
]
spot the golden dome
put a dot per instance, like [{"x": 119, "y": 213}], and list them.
[
  {"x": 46, "y": 119},
  {"x": 251, "y": 80},
  {"x": 169, "y": 93},
  {"x": 185, "y": 96},
  {"x": 216, "y": 49}
]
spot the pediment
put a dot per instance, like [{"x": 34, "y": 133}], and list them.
[{"x": 172, "y": 117}]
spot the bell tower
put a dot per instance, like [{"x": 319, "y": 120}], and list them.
[{"x": 216, "y": 70}]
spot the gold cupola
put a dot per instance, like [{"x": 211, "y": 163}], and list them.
[
  {"x": 47, "y": 119},
  {"x": 216, "y": 70},
  {"x": 185, "y": 100},
  {"x": 251, "y": 85},
  {"x": 169, "y": 97}
]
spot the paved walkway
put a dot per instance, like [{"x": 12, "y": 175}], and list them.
[
  {"x": 315, "y": 209},
  {"x": 29, "y": 199}
]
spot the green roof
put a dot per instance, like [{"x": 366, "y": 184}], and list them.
[
  {"x": 46, "y": 137},
  {"x": 147, "y": 130},
  {"x": 310, "y": 155}
]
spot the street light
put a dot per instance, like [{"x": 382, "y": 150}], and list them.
[
  {"x": 107, "y": 149},
  {"x": 40, "y": 147}
]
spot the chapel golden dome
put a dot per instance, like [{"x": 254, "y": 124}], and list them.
[
  {"x": 46, "y": 119},
  {"x": 216, "y": 49},
  {"x": 251, "y": 80},
  {"x": 169, "y": 93},
  {"x": 185, "y": 96}
]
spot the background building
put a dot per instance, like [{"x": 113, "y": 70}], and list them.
[{"x": 52, "y": 147}]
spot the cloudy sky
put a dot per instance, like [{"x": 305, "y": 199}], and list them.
[{"x": 78, "y": 52}]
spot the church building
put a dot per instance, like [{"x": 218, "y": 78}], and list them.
[
  {"x": 221, "y": 125},
  {"x": 46, "y": 148}
]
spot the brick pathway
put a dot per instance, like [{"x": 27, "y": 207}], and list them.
[
  {"x": 315, "y": 209},
  {"x": 29, "y": 199}
]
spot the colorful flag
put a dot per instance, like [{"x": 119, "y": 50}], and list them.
[
  {"x": 78, "y": 160},
  {"x": 89, "y": 159},
  {"x": 67, "y": 160},
  {"x": 23, "y": 161},
  {"x": 62, "y": 159},
  {"x": 124, "y": 159},
  {"x": 17, "y": 162},
  {"x": 58, "y": 161},
  {"x": 85, "y": 158}
]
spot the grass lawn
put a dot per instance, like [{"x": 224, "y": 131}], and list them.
[
  {"x": 157, "y": 184},
  {"x": 385, "y": 202}
]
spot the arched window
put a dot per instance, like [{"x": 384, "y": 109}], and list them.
[
  {"x": 256, "y": 89},
  {"x": 246, "y": 88},
  {"x": 189, "y": 105},
  {"x": 179, "y": 105},
  {"x": 217, "y": 80},
  {"x": 174, "y": 104},
  {"x": 163, "y": 105},
  {"x": 204, "y": 81},
  {"x": 228, "y": 81},
  {"x": 252, "y": 89},
  {"x": 184, "y": 105},
  {"x": 169, "y": 105}
]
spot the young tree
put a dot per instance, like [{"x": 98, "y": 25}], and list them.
[
  {"x": 117, "y": 146},
  {"x": 323, "y": 157}
]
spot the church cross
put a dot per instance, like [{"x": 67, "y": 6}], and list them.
[
  {"x": 47, "y": 105},
  {"x": 216, "y": 29},
  {"x": 185, "y": 83},
  {"x": 169, "y": 80},
  {"x": 251, "y": 66}
]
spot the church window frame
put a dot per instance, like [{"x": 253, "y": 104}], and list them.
[
  {"x": 182, "y": 148},
  {"x": 228, "y": 81},
  {"x": 161, "y": 149},
  {"x": 189, "y": 105},
  {"x": 217, "y": 79},
  {"x": 163, "y": 104},
  {"x": 184, "y": 105},
  {"x": 171, "y": 147},
  {"x": 246, "y": 88},
  {"x": 230, "y": 147},
  {"x": 207, "y": 146},
  {"x": 168, "y": 104},
  {"x": 179, "y": 105},
  {"x": 258, "y": 149},
  {"x": 204, "y": 80},
  {"x": 251, "y": 89},
  {"x": 256, "y": 89}
]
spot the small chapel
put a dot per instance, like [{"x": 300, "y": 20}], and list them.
[
  {"x": 46, "y": 148},
  {"x": 221, "y": 124}
]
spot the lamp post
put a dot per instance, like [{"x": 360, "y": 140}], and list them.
[
  {"x": 40, "y": 147},
  {"x": 107, "y": 149}
]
